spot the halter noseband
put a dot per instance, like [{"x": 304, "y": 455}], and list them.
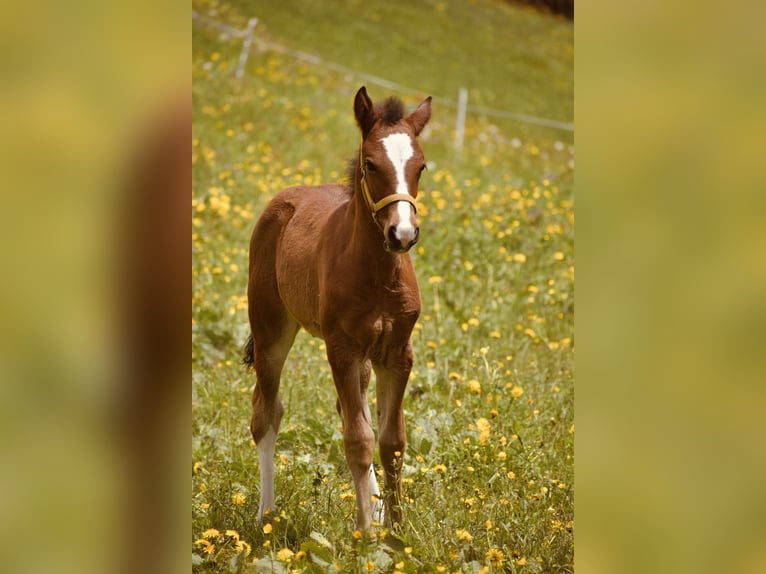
[{"x": 376, "y": 207}]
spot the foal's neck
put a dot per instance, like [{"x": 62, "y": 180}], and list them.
[{"x": 367, "y": 242}]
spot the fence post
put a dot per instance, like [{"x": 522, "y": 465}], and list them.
[
  {"x": 246, "y": 47},
  {"x": 462, "y": 102}
]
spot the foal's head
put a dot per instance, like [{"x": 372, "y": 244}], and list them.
[{"x": 391, "y": 162}]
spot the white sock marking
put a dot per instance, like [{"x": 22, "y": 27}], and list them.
[
  {"x": 378, "y": 512},
  {"x": 266, "y": 449}
]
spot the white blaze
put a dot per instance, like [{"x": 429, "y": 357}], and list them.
[{"x": 399, "y": 151}]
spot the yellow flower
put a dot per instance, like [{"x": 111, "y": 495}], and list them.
[
  {"x": 495, "y": 557},
  {"x": 519, "y": 257},
  {"x": 370, "y": 566},
  {"x": 210, "y": 533},
  {"x": 558, "y": 256},
  {"x": 207, "y": 547},
  {"x": 463, "y": 535},
  {"x": 285, "y": 555},
  {"x": 484, "y": 429},
  {"x": 243, "y": 546},
  {"x": 474, "y": 387},
  {"x": 267, "y": 528},
  {"x": 516, "y": 391},
  {"x": 233, "y": 533},
  {"x": 196, "y": 467},
  {"x": 238, "y": 498},
  {"x": 434, "y": 279},
  {"x": 521, "y": 561}
]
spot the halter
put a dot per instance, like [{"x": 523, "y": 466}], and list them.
[{"x": 376, "y": 207}]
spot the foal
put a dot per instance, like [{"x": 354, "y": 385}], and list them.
[{"x": 333, "y": 259}]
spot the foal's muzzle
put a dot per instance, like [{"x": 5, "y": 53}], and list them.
[{"x": 400, "y": 239}]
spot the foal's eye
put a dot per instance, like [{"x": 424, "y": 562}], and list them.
[{"x": 369, "y": 166}]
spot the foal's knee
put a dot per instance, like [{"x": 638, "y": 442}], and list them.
[
  {"x": 392, "y": 449},
  {"x": 359, "y": 444}
]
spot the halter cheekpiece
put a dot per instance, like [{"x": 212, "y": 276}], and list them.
[{"x": 375, "y": 207}]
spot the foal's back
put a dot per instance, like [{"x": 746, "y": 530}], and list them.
[{"x": 285, "y": 244}]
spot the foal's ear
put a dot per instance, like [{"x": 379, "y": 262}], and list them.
[
  {"x": 419, "y": 118},
  {"x": 363, "y": 111}
]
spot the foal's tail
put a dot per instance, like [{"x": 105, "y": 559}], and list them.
[{"x": 248, "y": 354}]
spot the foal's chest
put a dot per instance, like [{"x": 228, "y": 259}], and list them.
[{"x": 384, "y": 333}]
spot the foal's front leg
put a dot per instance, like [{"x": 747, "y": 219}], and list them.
[
  {"x": 391, "y": 384},
  {"x": 358, "y": 436}
]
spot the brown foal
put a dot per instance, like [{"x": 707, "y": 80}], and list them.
[{"x": 333, "y": 259}]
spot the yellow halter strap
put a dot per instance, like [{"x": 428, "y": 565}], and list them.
[{"x": 375, "y": 207}]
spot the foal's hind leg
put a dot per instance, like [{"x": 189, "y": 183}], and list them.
[{"x": 272, "y": 340}]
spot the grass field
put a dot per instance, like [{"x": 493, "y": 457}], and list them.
[{"x": 489, "y": 482}]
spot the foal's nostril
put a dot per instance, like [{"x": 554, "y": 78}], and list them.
[
  {"x": 392, "y": 238},
  {"x": 417, "y": 234}
]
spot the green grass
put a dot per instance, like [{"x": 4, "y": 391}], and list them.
[{"x": 489, "y": 466}]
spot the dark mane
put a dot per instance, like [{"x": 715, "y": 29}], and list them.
[
  {"x": 351, "y": 171},
  {"x": 390, "y": 111}
]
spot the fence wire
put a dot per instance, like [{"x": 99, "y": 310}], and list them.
[{"x": 249, "y": 39}]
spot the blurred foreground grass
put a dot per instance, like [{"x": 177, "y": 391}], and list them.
[{"x": 671, "y": 278}]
